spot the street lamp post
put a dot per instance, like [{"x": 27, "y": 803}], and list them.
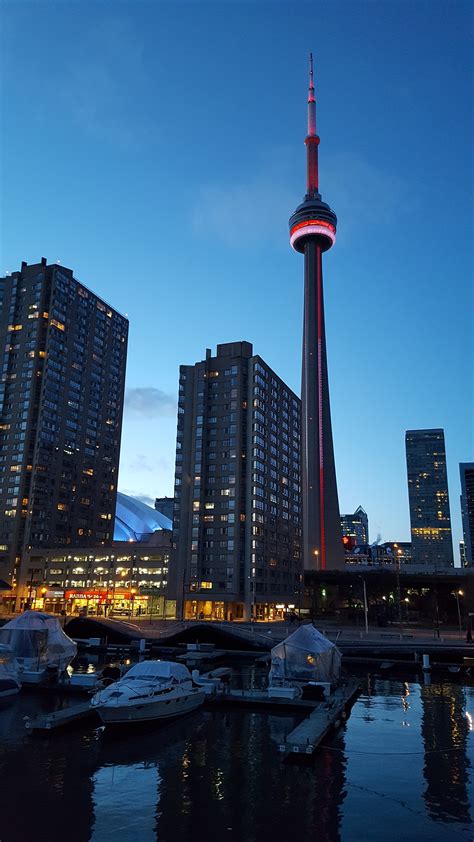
[
  {"x": 300, "y": 595},
  {"x": 457, "y": 594},
  {"x": 397, "y": 568},
  {"x": 366, "y": 607}
]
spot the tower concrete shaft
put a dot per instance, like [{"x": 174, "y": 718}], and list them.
[{"x": 313, "y": 231}]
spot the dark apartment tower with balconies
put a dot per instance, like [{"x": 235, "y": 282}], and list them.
[
  {"x": 61, "y": 401},
  {"x": 237, "y": 519},
  {"x": 428, "y": 496}
]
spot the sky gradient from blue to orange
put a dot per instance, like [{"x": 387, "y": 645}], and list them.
[{"x": 157, "y": 150}]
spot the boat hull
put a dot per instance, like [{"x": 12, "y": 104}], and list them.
[
  {"x": 150, "y": 711},
  {"x": 8, "y": 687}
]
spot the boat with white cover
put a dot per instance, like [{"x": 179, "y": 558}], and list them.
[
  {"x": 39, "y": 645},
  {"x": 149, "y": 691},
  {"x": 9, "y": 680}
]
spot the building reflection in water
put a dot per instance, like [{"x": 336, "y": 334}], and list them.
[
  {"x": 445, "y": 727},
  {"x": 125, "y": 800},
  {"x": 216, "y": 776}
]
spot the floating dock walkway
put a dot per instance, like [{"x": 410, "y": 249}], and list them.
[
  {"x": 59, "y": 718},
  {"x": 327, "y": 716}
]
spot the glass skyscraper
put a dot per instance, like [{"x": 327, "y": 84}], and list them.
[
  {"x": 429, "y": 499},
  {"x": 466, "y": 470}
]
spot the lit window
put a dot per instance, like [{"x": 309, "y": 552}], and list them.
[{"x": 57, "y": 324}]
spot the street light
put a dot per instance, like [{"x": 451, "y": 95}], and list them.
[
  {"x": 132, "y": 597},
  {"x": 457, "y": 594},
  {"x": 397, "y": 570},
  {"x": 366, "y": 609}
]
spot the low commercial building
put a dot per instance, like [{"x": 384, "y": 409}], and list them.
[{"x": 125, "y": 579}]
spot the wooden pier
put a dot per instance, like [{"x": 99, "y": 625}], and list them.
[
  {"x": 59, "y": 718},
  {"x": 326, "y": 716}
]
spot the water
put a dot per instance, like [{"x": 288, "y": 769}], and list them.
[{"x": 401, "y": 769}]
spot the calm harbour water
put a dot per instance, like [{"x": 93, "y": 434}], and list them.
[{"x": 400, "y": 769}]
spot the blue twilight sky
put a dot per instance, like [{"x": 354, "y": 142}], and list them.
[{"x": 157, "y": 150}]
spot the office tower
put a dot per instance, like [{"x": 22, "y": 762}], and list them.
[
  {"x": 462, "y": 554},
  {"x": 466, "y": 470},
  {"x": 312, "y": 232},
  {"x": 237, "y": 488},
  {"x": 61, "y": 400},
  {"x": 356, "y": 526},
  {"x": 428, "y": 497},
  {"x": 165, "y": 506}
]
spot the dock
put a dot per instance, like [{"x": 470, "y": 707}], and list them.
[
  {"x": 59, "y": 718},
  {"x": 326, "y": 716}
]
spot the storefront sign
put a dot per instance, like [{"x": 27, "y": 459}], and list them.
[{"x": 100, "y": 595}]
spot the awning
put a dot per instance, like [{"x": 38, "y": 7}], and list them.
[{"x": 4, "y": 586}]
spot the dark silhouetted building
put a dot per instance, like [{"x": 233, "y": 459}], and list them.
[
  {"x": 237, "y": 488},
  {"x": 165, "y": 506},
  {"x": 356, "y": 526},
  {"x": 466, "y": 470},
  {"x": 61, "y": 400},
  {"x": 428, "y": 497},
  {"x": 312, "y": 232}
]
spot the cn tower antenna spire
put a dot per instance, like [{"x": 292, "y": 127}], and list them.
[{"x": 312, "y": 139}]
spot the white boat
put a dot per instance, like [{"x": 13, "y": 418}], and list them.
[
  {"x": 149, "y": 691},
  {"x": 39, "y": 645},
  {"x": 9, "y": 680}
]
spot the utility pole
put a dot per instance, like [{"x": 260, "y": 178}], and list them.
[{"x": 397, "y": 563}]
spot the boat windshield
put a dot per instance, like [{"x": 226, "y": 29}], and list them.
[{"x": 155, "y": 679}]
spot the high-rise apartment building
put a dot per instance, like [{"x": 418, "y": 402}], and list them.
[
  {"x": 466, "y": 470},
  {"x": 61, "y": 400},
  {"x": 356, "y": 526},
  {"x": 428, "y": 496},
  {"x": 237, "y": 517}
]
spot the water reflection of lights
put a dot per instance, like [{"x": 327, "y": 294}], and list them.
[
  {"x": 469, "y": 719},
  {"x": 405, "y": 694}
]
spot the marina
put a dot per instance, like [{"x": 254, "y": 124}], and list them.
[{"x": 186, "y": 774}]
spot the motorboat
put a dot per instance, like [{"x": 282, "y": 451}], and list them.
[
  {"x": 149, "y": 691},
  {"x": 39, "y": 644},
  {"x": 9, "y": 672}
]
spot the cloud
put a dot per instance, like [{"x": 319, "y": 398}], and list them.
[
  {"x": 142, "y": 462},
  {"x": 245, "y": 212},
  {"x": 102, "y": 78},
  {"x": 256, "y": 209},
  {"x": 148, "y": 402},
  {"x": 361, "y": 192}
]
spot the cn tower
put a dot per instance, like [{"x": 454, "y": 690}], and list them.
[{"x": 312, "y": 232}]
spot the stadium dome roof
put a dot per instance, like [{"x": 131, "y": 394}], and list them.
[{"x": 135, "y": 520}]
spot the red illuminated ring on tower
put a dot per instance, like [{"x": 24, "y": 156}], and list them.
[{"x": 312, "y": 226}]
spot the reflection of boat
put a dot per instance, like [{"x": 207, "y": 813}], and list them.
[
  {"x": 151, "y": 690},
  {"x": 9, "y": 681},
  {"x": 39, "y": 645}
]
